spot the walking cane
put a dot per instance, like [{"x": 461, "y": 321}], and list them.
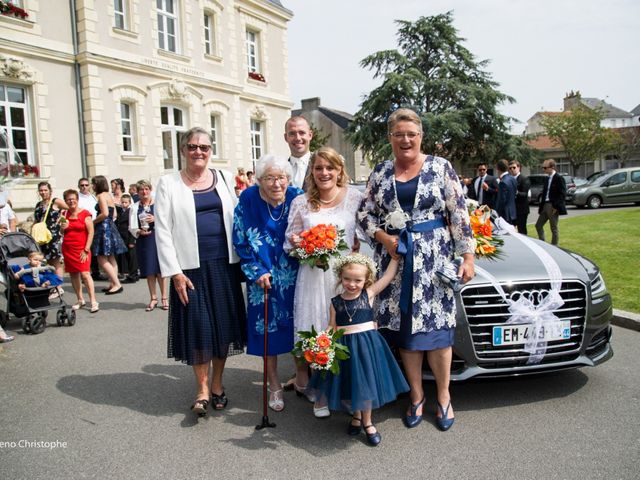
[{"x": 265, "y": 417}]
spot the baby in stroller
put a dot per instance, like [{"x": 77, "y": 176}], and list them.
[{"x": 33, "y": 274}]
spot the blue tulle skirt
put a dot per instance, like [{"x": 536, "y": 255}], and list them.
[{"x": 369, "y": 379}]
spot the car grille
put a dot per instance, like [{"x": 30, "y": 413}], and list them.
[{"x": 485, "y": 308}]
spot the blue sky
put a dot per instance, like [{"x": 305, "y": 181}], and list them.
[{"x": 538, "y": 50}]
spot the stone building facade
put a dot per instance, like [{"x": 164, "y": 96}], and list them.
[{"x": 105, "y": 87}]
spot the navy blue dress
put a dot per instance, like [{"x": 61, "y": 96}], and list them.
[
  {"x": 213, "y": 324},
  {"x": 146, "y": 250},
  {"x": 106, "y": 239},
  {"x": 371, "y": 376}
]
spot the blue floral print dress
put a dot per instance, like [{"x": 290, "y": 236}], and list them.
[
  {"x": 258, "y": 237},
  {"x": 438, "y": 195}
]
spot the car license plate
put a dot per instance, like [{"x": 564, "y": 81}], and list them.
[{"x": 519, "y": 334}]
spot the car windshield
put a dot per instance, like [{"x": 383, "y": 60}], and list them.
[{"x": 595, "y": 176}]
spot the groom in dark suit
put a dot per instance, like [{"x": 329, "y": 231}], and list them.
[{"x": 554, "y": 195}]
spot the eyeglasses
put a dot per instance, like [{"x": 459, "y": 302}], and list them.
[
  {"x": 192, "y": 147},
  {"x": 83, "y": 185},
  {"x": 400, "y": 135},
  {"x": 482, "y": 169},
  {"x": 272, "y": 180},
  {"x": 512, "y": 167}
]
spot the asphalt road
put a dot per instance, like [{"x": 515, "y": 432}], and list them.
[{"x": 106, "y": 397}]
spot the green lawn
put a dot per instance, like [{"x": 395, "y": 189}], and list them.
[{"x": 611, "y": 239}]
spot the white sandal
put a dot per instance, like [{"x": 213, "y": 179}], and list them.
[
  {"x": 78, "y": 305},
  {"x": 276, "y": 400}
]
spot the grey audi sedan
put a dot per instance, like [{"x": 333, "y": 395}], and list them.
[{"x": 488, "y": 344}]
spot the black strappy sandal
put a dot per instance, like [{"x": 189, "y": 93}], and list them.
[{"x": 219, "y": 402}]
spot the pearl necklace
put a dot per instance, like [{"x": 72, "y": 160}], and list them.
[{"x": 327, "y": 202}]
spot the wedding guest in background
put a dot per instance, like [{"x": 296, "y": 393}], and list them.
[
  {"x": 418, "y": 195},
  {"x": 76, "y": 249},
  {"x": 483, "y": 187},
  {"x": 251, "y": 179},
  {"x": 117, "y": 190},
  {"x": 142, "y": 227},
  {"x": 87, "y": 201},
  {"x": 50, "y": 208},
  {"x": 194, "y": 224},
  {"x": 7, "y": 219},
  {"x": 133, "y": 191},
  {"x": 127, "y": 262},
  {"x": 523, "y": 196},
  {"x": 107, "y": 242},
  {"x": 554, "y": 193},
  {"x": 241, "y": 181},
  {"x": 507, "y": 189}
]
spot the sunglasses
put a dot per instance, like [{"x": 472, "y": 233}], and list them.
[{"x": 192, "y": 147}]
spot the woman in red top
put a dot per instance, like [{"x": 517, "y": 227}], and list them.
[{"x": 76, "y": 248}]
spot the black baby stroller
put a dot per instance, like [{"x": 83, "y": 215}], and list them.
[{"x": 33, "y": 304}]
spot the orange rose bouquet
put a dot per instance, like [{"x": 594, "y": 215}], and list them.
[
  {"x": 487, "y": 244},
  {"x": 318, "y": 244},
  {"x": 321, "y": 350}
]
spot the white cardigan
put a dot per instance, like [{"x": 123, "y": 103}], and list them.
[{"x": 175, "y": 219}]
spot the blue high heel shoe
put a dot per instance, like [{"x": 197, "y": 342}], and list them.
[
  {"x": 443, "y": 422},
  {"x": 413, "y": 420}
]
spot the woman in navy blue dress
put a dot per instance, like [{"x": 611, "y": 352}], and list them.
[
  {"x": 142, "y": 226},
  {"x": 259, "y": 228},
  {"x": 370, "y": 377},
  {"x": 107, "y": 242},
  {"x": 194, "y": 223}
]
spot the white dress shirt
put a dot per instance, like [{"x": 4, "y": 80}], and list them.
[
  {"x": 299, "y": 166},
  {"x": 88, "y": 202}
]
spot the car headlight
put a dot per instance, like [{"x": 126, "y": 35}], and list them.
[{"x": 598, "y": 288}]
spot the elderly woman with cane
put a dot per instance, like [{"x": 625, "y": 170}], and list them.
[
  {"x": 260, "y": 223},
  {"x": 414, "y": 208},
  {"x": 194, "y": 223}
]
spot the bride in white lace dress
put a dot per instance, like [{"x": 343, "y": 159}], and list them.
[{"x": 328, "y": 200}]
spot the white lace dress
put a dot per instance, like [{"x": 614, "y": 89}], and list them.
[{"x": 315, "y": 288}]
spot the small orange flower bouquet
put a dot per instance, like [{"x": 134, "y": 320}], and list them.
[
  {"x": 487, "y": 245},
  {"x": 318, "y": 244},
  {"x": 321, "y": 350}
]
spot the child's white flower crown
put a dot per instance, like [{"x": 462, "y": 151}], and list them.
[{"x": 358, "y": 258}]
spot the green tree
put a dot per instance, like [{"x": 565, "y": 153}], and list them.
[
  {"x": 319, "y": 139},
  {"x": 579, "y": 133},
  {"x": 435, "y": 75},
  {"x": 625, "y": 144}
]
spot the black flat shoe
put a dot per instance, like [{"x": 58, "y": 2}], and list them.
[
  {"x": 373, "y": 439},
  {"x": 109, "y": 292},
  {"x": 105, "y": 289},
  {"x": 354, "y": 430}
]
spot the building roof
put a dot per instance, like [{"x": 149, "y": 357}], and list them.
[
  {"x": 342, "y": 119},
  {"x": 636, "y": 111},
  {"x": 608, "y": 110},
  {"x": 542, "y": 142}
]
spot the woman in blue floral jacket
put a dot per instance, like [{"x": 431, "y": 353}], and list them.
[
  {"x": 414, "y": 208},
  {"x": 259, "y": 227}
]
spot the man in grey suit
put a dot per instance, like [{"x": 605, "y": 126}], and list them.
[
  {"x": 507, "y": 189},
  {"x": 522, "y": 196},
  {"x": 298, "y": 135}
]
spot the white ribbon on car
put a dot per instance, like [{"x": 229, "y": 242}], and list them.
[{"x": 523, "y": 310}]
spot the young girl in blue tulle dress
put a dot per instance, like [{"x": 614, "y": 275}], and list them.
[{"x": 371, "y": 376}]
